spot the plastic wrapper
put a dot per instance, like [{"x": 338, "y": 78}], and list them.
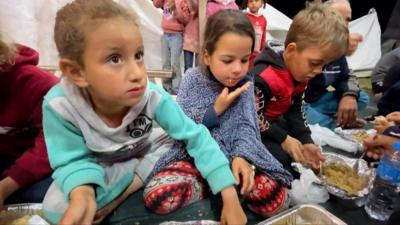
[
  {"x": 355, "y": 135},
  {"x": 324, "y": 136},
  {"x": 22, "y": 214}
]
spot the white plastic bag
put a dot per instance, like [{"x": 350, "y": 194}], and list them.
[
  {"x": 324, "y": 136},
  {"x": 308, "y": 188}
]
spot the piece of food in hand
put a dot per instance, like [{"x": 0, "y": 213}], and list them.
[
  {"x": 379, "y": 120},
  {"x": 343, "y": 177}
]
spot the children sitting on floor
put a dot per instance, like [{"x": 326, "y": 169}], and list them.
[
  {"x": 316, "y": 36},
  {"x": 219, "y": 94},
  {"x": 99, "y": 120}
]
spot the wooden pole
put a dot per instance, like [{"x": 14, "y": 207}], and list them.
[{"x": 202, "y": 20}]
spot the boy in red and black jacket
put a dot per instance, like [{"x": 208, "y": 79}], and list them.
[{"x": 317, "y": 36}]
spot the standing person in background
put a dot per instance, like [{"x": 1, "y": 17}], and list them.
[
  {"x": 259, "y": 23},
  {"x": 171, "y": 43},
  {"x": 214, "y": 6},
  {"x": 24, "y": 166},
  {"x": 334, "y": 98},
  {"x": 189, "y": 10}
]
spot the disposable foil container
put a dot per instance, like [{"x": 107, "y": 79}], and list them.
[{"x": 304, "y": 214}]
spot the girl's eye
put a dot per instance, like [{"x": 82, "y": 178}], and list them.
[
  {"x": 245, "y": 60},
  {"x": 114, "y": 59},
  {"x": 139, "y": 56},
  {"x": 226, "y": 61}
]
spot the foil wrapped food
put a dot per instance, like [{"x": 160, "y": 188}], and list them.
[
  {"x": 355, "y": 135},
  {"x": 360, "y": 167}
]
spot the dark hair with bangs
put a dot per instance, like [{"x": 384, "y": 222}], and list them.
[{"x": 226, "y": 21}]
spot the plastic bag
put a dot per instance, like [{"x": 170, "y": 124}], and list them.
[
  {"x": 324, "y": 136},
  {"x": 308, "y": 188}
]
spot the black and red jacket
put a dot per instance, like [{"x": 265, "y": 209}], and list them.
[{"x": 278, "y": 95}]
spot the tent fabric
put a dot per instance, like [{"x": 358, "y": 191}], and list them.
[
  {"x": 368, "y": 52},
  {"x": 31, "y": 22},
  {"x": 364, "y": 58}
]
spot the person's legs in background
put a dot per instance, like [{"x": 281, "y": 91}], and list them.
[
  {"x": 166, "y": 58},
  {"x": 175, "y": 43},
  {"x": 362, "y": 101},
  {"x": 323, "y": 111},
  {"x": 189, "y": 58}
]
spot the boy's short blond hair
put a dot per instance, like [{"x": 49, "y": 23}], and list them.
[
  {"x": 80, "y": 16},
  {"x": 320, "y": 26},
  {"x": 7, "y": 50}
]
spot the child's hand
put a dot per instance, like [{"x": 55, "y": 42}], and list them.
[
  {"x": 378, "y": 145},
  {"x": 232, "y": 212},
  {"x": 312, "y": 155},
  {"x": 393, "y": 117},
  {"x": 242, "y": 169},
  {"x": 136, "y": 184},
  {"x": 354, "y": 40},
  {"x": 7, "y": 187},
  {"x": 382, "y": 123},
  {"x": 82, "y": 206},
  {"x": 225, "y": 99},
  {"x": 294, "y": 147},
  {"x": 103, "y": 212}
]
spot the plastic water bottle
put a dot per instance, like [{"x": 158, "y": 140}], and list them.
[{"x": 384, "y": 196}]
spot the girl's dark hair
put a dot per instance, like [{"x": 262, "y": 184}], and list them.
[{"x": 226, "y": 21}]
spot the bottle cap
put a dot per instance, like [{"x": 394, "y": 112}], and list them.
[{"x": 396, "y": 146}]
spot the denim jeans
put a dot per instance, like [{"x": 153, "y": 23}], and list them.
[
  {"x": 323, "y": 111},
  {"x": 188, "y": 57},
  {"x": 171, "y": 49}
]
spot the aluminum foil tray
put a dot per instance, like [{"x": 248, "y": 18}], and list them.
[
  {"x": 355, "y": 135},
  {"x": 362, "y": 170},
  {"x": 307, "y": 214}
]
